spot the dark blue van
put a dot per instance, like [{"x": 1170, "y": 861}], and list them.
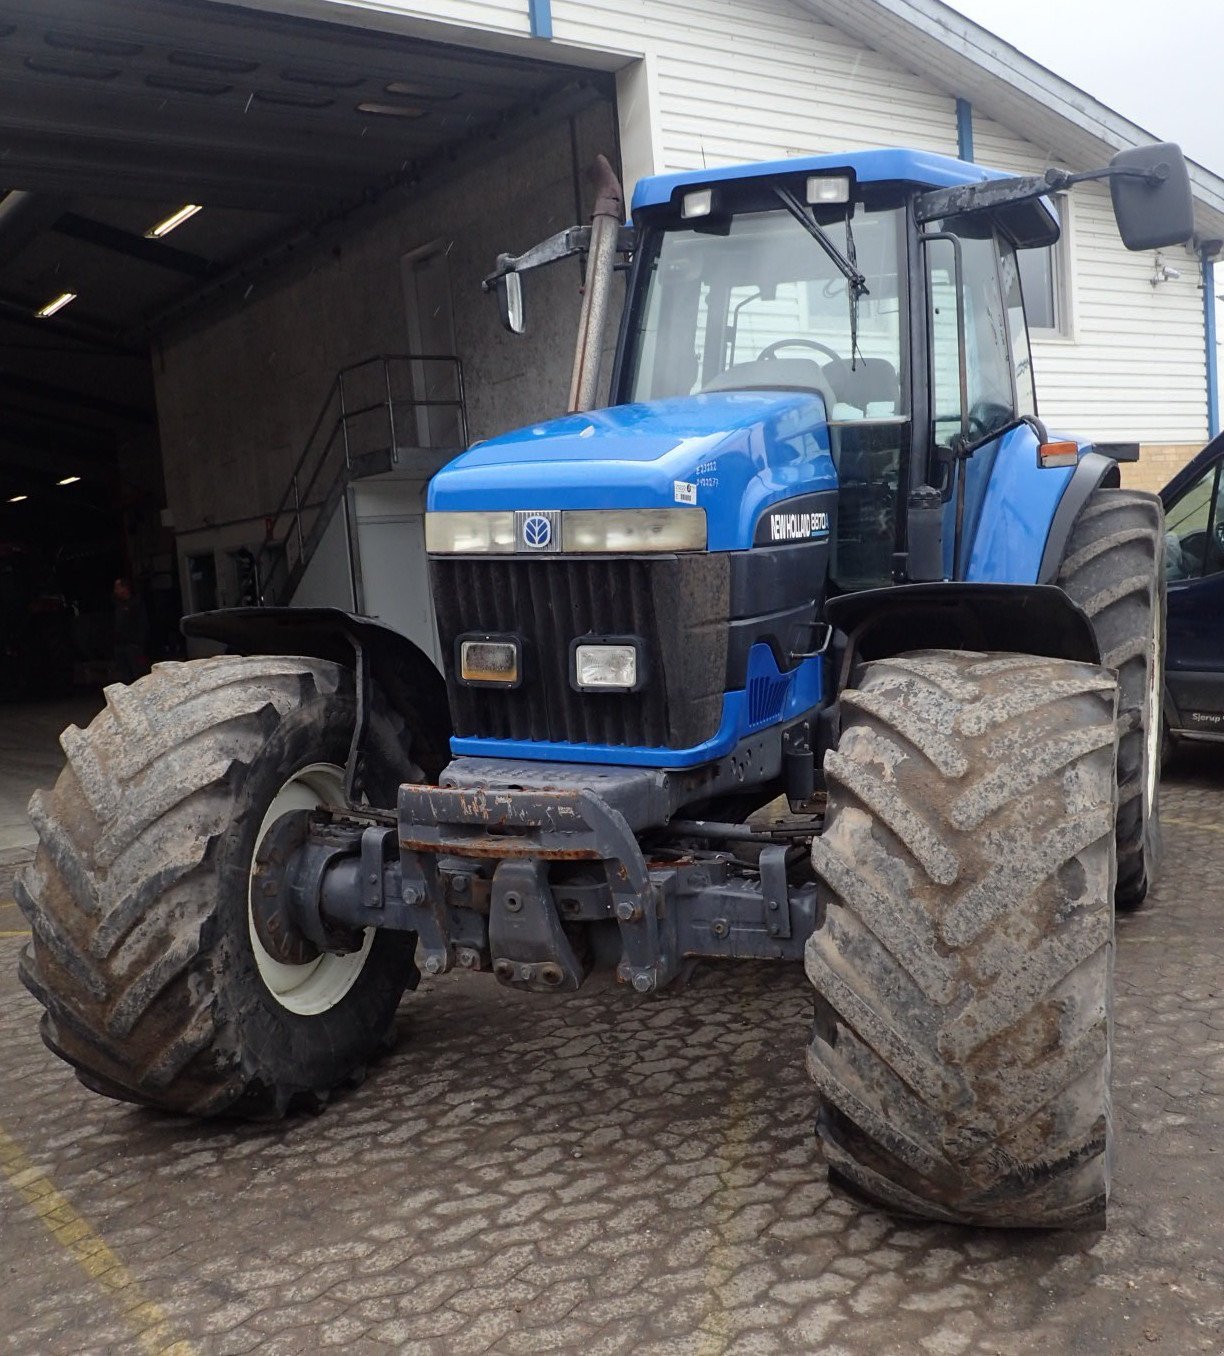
[{"x": 1194, "y": 565}]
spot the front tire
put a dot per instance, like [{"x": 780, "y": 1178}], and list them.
[
  {"x": 963, "y": 969},
  {"x": 143, "y": 953}
]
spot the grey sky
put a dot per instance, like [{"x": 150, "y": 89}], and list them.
[{"x": 1162, "y": 66}]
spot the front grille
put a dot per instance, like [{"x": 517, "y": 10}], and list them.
[{"x": 676, "y": 605}]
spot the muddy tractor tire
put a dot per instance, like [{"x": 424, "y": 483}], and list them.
[
  {"x": 1114, "y": 569},
  {"x": 963, "y": 965},
  {"x": 145, "y": 953}
]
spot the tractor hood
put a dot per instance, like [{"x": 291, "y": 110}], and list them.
[{"x": 731, "y": 453}]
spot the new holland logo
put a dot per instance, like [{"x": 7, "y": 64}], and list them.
[
  {"x": 537, "y": 530},
  {"x": 797, "y": 526}
]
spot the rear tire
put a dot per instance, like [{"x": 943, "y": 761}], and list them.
[
  {"x": 963, "y": 968},
  {"x": 143, "y": 954},
  {"x": 1114, "y": 569}
]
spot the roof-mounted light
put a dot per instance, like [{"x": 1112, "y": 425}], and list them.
[
  {"x": 173, "y": 221},
  {"x": 698, "y": 203},
  {"x": 828, "y": 188},
  {"x": 54, "y": 306}
]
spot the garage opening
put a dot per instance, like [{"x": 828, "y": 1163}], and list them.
[{"x": 240, "y": 314}]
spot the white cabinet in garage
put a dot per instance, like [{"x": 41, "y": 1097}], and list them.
[{"x": 389, "y": 525}]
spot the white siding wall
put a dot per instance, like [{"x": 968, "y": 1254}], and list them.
[
  {"x": 1134, "y": 367},
  {"x": 760, "y": 79}
]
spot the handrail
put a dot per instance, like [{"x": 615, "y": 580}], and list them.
[{"x": 300, "y": 492}]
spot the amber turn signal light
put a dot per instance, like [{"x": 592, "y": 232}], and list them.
[{"x": 1058, "y": 454}]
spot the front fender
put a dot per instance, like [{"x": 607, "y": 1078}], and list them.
[
  {"x": 402, "y": 674},
  {"x": 1025, "y": 618}
]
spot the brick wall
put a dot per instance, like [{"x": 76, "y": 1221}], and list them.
[{"x": 1158, "y": 463}]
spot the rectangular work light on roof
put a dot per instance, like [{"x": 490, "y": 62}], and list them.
[
  {"x": 828, "y": 188},
  {"x": 698, "y": 203}
]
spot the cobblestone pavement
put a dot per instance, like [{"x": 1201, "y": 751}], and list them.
[{"x": 602, "y": 1173}]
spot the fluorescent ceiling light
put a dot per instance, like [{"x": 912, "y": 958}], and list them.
[
  {"x": 64, "y": 298},
  {"x": 68, "y": 480},
  {"x": 17, "y": 498},
  {"x": 172, "y": 222}
]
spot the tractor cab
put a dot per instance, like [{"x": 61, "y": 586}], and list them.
[{"x": 813, "y": 277}]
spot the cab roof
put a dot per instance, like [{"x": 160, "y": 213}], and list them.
[{"x": 925, "y": 169}]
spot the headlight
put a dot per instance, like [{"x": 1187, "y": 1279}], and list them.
[
  {"x": 469, "y": 533},
  {"x": 606, "y": 665},
  {"x": 490, "y": 661},
  {"x": 581, "y": 530},
  {"x": 633, "y": 530}
]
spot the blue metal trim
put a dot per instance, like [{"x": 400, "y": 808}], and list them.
[
  {"x": 1209, "y": 340},
  {"x": 541, "y": 18},
  {"x": 734, "y": 718},
  {"x": 964, "y": 129},
  {"x": 1010, "y": 503}
]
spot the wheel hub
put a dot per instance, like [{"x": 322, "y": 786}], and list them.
[{"x": 272, "y": 902}]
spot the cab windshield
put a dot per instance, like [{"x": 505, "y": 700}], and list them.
[{"x": 759, "y": 304}]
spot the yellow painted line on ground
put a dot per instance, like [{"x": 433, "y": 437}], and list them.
[
  {"x": 26, "y": 933},
  {"x": 8, "y": 903},
  {"x": 151, "y": 1326},
  {"x": 715, "y": 1332},
  {"x": 1192, "y": 824}
]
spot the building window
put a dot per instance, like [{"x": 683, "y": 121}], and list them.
[{"x": 1045, "y": 278}]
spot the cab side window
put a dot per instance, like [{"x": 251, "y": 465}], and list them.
[
  {"x": 987, "y": 322},
  {"x": 1194, "y": 533}
]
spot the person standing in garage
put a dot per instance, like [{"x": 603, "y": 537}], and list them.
[{"x": 131, "y": 632}]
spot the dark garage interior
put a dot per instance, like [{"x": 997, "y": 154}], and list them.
[{"x": 116, "y": 118}]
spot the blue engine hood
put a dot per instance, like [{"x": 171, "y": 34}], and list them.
[{"x": 732, "y": 453}]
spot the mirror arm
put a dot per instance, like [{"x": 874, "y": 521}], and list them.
[
  {"x": 563, "y": 245},
  {"x": 963, "y": 198}
]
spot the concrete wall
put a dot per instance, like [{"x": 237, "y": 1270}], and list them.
[{"x": 238, "y": 391}]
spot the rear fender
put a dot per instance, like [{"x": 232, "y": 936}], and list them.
[
  {"x": 393, "y": 675},
  {"x": 1092, "y": 471}
]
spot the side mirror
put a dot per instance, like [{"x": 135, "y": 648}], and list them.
[
  {"x": 510, "y": 302},
  {"x": 1152, "y": 200}
]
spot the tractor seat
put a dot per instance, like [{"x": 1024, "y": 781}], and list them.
[
  {"x": 870, "y": 382},
  {"x": 786, "y": 374}
]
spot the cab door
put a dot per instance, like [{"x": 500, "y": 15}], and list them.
[{"x": 1194, "y": 568}]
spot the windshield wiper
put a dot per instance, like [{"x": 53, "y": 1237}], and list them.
[{"x": 807, "y": 219}]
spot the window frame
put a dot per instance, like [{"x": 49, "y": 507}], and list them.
[{"x": 1062, "y": 273}]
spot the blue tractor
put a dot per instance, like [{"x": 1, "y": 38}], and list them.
[{"x": 812, "y": 645}]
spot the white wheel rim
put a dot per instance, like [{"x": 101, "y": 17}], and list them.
[
  {"x": 318, "y": 985},
  {"x": 1151, "y": 748}
]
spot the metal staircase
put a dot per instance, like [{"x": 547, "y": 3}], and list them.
[{"x": 383, "y": 414}]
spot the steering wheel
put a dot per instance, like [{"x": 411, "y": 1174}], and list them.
[{"x": 771, "y": 350}]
